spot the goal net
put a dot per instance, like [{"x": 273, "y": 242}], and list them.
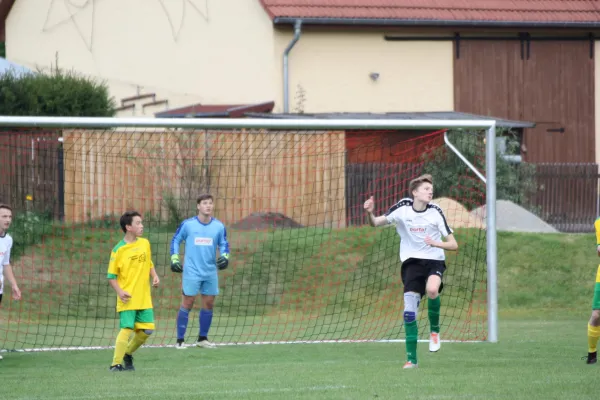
[{"x": 305, "y": 265}]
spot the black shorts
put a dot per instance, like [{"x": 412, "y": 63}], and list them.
[
  {"x": 0, "y": 298},
  {"x": 416, "y": 271}
]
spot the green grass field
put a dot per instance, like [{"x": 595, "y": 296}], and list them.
[
  {"x": 545, "y": 288},
  {"x": 538, "y": 357}
]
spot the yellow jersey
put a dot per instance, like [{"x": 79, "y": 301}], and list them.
[{"x": 130, "y": 265}]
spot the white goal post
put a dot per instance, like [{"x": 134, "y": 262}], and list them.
[{"x": 321, "y": 124}]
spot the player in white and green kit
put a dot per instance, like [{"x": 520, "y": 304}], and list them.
[{"x": 421, "y": 226}]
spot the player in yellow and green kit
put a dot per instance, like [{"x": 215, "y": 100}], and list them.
[
  {"x": 129, "y": 274},
  {"x": 594, "y": 322}
]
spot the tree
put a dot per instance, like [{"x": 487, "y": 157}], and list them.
[{"x": 514, "y": 181}]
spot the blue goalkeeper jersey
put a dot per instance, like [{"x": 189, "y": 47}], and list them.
[{"x": 201, "y": 242}]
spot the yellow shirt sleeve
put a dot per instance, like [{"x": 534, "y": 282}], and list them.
[
  {"x": 113, "y": 265},
  {"x": 150, "y": 263},
  {"x": 597, "y": 226}
]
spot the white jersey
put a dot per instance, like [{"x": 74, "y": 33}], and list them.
[
  {"x": 413, "y": 226},
  {"x": 6, "y": 242}
]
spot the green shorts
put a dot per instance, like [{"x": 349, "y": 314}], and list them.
[
  {"x": 137, "y": 319},
  {"x": 596, "y": 301}
]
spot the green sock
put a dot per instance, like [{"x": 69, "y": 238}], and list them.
[
  {"x": 412, "y": 333},
  {"x": 433, "y": 307}
]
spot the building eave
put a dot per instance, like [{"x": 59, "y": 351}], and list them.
[{"x": 435, "y": 23}]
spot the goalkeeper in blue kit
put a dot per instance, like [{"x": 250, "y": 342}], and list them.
[{"x": 202, "y": 234}]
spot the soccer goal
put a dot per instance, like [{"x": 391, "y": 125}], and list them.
[{"x": 305, "y": 265}]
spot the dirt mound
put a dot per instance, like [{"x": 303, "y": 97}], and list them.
[
  {"x": 268, "y": 220},
  {"x": 457, "y": 215},
  {"x": 511, "y": 217}
]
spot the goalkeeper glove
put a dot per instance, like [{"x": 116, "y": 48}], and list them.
[
  {"x": 176, "y": 264},
  {"x": 223, "y": 261}
]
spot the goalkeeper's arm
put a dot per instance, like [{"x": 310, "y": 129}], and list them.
[
  {"x": 223, "y": 260},
  {"x": 177, "y": 238}
]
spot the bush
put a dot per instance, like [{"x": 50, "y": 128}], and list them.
[
  {"x": 28, "y": 228},
  {"x": 57, "y": 93},
  {"x": 515, "y": 182}
]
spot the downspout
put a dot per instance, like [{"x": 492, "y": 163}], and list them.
[{"x": 286, "y": 70}]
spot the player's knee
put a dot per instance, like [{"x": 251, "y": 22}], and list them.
[
  {"x": 148, "y": 331},
  {"x": 126, "y": 331},
  {"x": 411, "y": 306},
  {"x": 595, "y": 318},
  {"x": 409, "y": 316},
  {"x": 187, "y": 303},
  {"x": 208, "y": 303},
  {"x": 432, "y": 292}
]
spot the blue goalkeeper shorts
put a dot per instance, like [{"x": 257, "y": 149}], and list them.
[{"x": 207, "y": 287}]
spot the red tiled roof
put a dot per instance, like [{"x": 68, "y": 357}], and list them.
[{"x": 533, "y": 11}]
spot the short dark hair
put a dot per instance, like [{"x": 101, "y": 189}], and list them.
[
  {"x": 204, "y": 196},
  {"x": 6, "y": 207},
  {"x": 127, "y": 219}
]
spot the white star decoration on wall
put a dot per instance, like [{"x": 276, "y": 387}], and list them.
[
  {"x": 81, "y": 13},
  {"x": 176, "y": 10}
]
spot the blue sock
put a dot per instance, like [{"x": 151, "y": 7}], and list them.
[
  {"x": 182, "y": 322},
  {"x": 205, "y": 321}
]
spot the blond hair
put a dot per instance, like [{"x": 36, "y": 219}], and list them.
[{"x": 417, "y": 182}]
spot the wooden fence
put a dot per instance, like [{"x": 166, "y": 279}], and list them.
[
  {"x": 300, "y": 175},
  {"x": 31, "y": 171}
]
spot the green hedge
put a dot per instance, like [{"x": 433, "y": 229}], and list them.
[{"x": 54, "y": 93}]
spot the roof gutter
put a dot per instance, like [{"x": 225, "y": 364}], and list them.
[
  {"x": 433, "y": 23},
  {"x": 286, "y": 71}
]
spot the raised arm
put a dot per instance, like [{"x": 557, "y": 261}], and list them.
[{"x": 373, "y": 220}]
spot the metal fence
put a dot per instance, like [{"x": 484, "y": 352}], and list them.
[{"x": 565, "y": 195}]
